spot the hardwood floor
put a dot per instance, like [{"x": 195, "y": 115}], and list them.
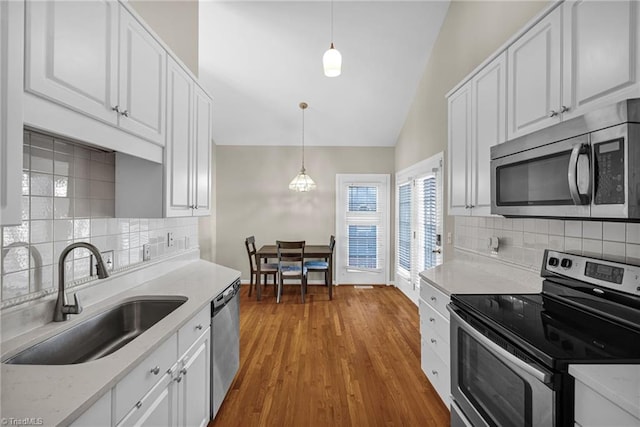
[{"x": 353, "y": 361}]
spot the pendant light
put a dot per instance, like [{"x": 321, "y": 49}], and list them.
[
  {"x": 302, "y": 182},
  {"x": 332, "y": 59}
]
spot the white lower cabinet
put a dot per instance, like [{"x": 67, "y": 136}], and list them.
[
  {"x": 98, "y": 415},
  {"x": 434, "y": 337},
  {"x": 156, "y": 408},
  {"x": 194, "y": 384},
  {"x": 592, "y": 409}
]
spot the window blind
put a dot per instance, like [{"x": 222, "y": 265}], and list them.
[
  {"x": 364, "y": 227},
  {"x": 404, "y": 228}
]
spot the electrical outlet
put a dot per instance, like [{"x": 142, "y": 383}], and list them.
[
  {"x": 170, "y": 241},
  {"x": 107, "y": 258},
  {"x": 146, "y": 252}
]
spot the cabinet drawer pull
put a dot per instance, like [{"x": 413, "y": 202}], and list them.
[
  {"x": 431, "y": 319},
  {"x": 433, "y": 341},
  {"x": 564, "y": 109},
  {"x": 433, "y": 299},
  {"x": 139, "y": 404},
  {"x": 183, "y": 371},
  {"x": 199, "y": 327},
  {"x": 434, "y": 372},
  {"x": 116, "y": 109},
  {"x": 125, "y": 113},
  {"x": 553, "y": 113},
  {"x": 155, "y": 370},
  {"x": 178, "y": 379}
]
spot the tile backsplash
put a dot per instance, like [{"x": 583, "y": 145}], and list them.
[
  {"x": 68, "y": 195},
  {"x": 523, "y": 240}
]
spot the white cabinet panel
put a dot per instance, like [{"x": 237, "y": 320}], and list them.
[
  {"x": 157, "y": 408},
  {"x": 142, "y": 80},
  {"x": 594, "y": 410},
  {"x": 11, "y": 83},
  {"x": 534, "y": 77},
  {"x": 489, "y": 102},
  {"x": 177, "y": 150},
  {"x": 98, "y": 415},
  {"x": 194, "y": 390},
  {"x": 459, "y": 145},
  {"x": 600, "y": 42},
  {"x": 71, "y": 55},
  {"x": 203, "y": 116}
]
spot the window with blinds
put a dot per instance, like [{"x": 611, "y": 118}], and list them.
[
  {"x": 363, "y": 227},
  {"x": 418, "y": 221}
]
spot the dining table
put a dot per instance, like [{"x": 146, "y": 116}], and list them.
[{"x": 310, "y": 252}]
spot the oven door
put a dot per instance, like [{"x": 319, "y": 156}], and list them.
[
  {"x": 549, "y": 180},
  {"x": 492, "y": 386}
]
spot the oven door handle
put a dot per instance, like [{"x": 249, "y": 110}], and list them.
[
  {"x": 541, "y": 376},
  {"x": 577, "y": 175}
]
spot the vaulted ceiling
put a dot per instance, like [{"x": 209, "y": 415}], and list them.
[{"x": 260, "y": 59}]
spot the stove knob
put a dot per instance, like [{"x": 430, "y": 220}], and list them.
[
  {"x": 553, "y": 262},
  {"x": 565, "y": 263}
]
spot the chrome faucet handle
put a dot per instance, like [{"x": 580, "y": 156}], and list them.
[{"x": 75, "y": 308}]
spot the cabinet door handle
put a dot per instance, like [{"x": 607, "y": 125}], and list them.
[
  {"x": 433, "y": 341},
  {"x": 434, "y": 372},
  {"x": 431, "y": 319},
  {"x": 553, "y": 113},
  {"x": 433, "y": 299},
  {"x": 116, "y": 109},
  {"x": 199, "y": 327},
  {"x": 183, "y": 371},
  {"x": 139, "y": 404},
  {"x": 155, "y": 370},
  {"x": 564, "y": 109},
  {"x": 178, "y": 379},
  {"x": 125, "y": 113}
]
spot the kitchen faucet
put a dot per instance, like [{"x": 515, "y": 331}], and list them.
[{"x": 63, "y": 310}]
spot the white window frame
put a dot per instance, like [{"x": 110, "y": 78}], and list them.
[
  {"x": 342, "y": 180},
  {"x": 408, "y": 282}
]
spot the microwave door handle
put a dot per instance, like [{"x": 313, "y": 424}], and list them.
[
  {"x": 541, "y": 376},
  {"x": 573, "y": 176}
]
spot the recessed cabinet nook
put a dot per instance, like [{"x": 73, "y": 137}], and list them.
[
  {"x": 95, "y": 73},
  {"x": 566, "y": 62}
]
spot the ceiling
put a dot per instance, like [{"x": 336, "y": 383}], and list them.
[{"x": 260, "y": 59}]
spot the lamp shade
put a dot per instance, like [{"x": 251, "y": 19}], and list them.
[
  {"x": 302, "y": 182},
  {"x": 332, "y": 62}
]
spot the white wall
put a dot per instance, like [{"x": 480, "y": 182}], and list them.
[{"x": 253, "y": 197}]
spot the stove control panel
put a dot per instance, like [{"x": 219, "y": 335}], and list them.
[{"x": 598, "y": 272}]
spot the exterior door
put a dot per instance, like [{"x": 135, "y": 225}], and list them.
[
  {"x": 143, "y": 64},
  {"x": 362, "y": 228},
  {"x": 601, "y": 63},
  {"x": 71, "y": 55},
  {"x": 534, "y": 78}
]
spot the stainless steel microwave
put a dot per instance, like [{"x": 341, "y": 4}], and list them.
[{"x": 586, "y": 167}]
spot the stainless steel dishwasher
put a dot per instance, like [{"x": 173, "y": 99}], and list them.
[{"x": 225, "y": 343}]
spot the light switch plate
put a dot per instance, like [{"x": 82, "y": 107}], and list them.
[
  {"x": 146, "y": 252},
  {"x": 170, "y": 241}
]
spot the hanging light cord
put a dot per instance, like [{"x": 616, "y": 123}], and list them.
[
  {"x": 303, "y": 138},
  {"x": 331, "y": 23}
]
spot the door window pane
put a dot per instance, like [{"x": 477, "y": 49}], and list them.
[
  {"x": 363, "y": 199},
  {"x": 404, "y": 232},
  {"x": 429, "y": 221},
  {"x": 363, "y": 246}
]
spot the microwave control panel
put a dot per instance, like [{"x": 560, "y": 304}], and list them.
[{"x": 609, "y": 172}]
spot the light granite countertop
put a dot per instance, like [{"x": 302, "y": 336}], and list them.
[
  {"x": 58, "y": 394},
  {"x": 618, "y": 383},
  {"x": 476, "y": 274}
]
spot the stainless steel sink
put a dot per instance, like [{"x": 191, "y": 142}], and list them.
[{"x": 99, "y": 335}]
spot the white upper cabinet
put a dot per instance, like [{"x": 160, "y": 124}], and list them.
[
  {"x": 203, "y": 116},
  {"x": 142, "y": 81},
  {"x": 76, "y": 57},
  {"x": 534, "y": 77},
  {"x": 177, "y": 150},
  {"x": 601, "y": 61},
  {"x": 459, "y": 150},
  {"x": 11, "y": 83},
  {"x": 488, "y": 119},
  {"x": 71, "y": 57},
  {"x": 477, "y": 113},
  {"x": 188, "y": 146}
]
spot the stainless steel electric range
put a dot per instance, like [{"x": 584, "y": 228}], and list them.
[{"x": 510, "y": 354}]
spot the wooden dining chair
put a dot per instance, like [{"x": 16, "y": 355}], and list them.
[
  {"x": 291, "y": 265},
  {"x": 322, "y": 266},
  {"x": 266, "y": 269}
]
